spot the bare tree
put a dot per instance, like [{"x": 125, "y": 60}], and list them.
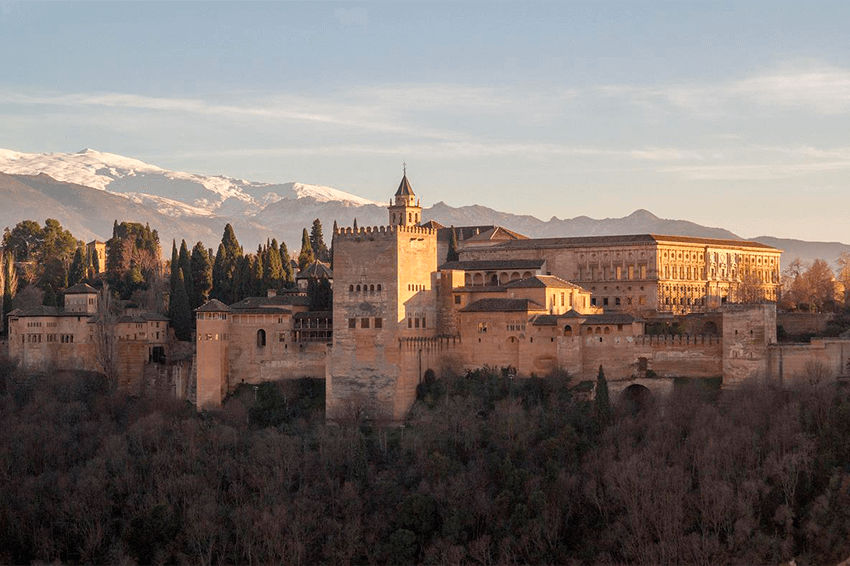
[
  {"x": 105, "y": 336},
  {"x": 750, "y": 289},
  {"x": 843, "y": 275}
]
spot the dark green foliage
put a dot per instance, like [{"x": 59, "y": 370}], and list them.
[
  {"x": 272, "y": 275},
  {"x": 317, "y": 241},
  {"x": 284, "y": 402},
  {"x": 320, "y": 294},
  {"x": 132, "y": 248},
  {"x": 49, "y": 299},
  {"x": 77, "y": 273},
  {"x": 501, "y": 470},
  {"x": 201, "y": 275},
  {"x": 185, "y": 263},
  {"x": 226, "y": 287},
  {"x": 306, "y": 256},
  {"x": 55, "y": 274},
  {"x": 25, "y": 241},
  {"x": 181, "y": 312},
  {"x": 453, "y": 255},
  {"x": 288, "y": 275},
  {"x": 255, "y": 281},
  {"x": 602, "y": 400}
]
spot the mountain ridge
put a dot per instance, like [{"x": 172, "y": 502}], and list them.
[{"x": 196, "y": 207}]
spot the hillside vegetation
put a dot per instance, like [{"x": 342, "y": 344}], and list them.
[{"x": 486, "y": 470}]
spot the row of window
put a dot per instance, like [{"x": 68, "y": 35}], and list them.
[
  {"x": 371, "y": 288},
  {"x": 38, "y": 338},
  {"x": 592, "y": 273},
  {"x": 617, "y": 301},
  {"x": 366, "y": 322}
]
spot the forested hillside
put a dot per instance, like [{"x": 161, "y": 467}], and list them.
[{"x": 486, "y": 470}]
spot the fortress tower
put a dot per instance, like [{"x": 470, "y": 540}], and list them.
[
  {"x": 383, "y": 296},
  {"x": 405, "y": 210}
]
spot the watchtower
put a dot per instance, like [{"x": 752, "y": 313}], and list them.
[{"x": 405, "y": 210}]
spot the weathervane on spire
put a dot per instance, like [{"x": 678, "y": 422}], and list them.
[{"x": 404, "y": 166}]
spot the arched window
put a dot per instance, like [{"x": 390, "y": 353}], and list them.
[
  {"x": 358, "y": 288},
  {"x": 351, "y": 288},
  {"x": 371, "y": 288},
  {"x": 261, "y": 338},
  {"x": 410, "y": 218},
  {"x": 379, "y": 286},
  {"x": 568, "y": 330}
]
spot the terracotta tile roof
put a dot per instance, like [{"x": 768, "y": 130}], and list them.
[
  {"x": 404, "y": 188},
  {"x": 316, "y": 270},
  {"x": 619, "y": 240},
  {"x": 213, "y": 305},
  {"x": 503, "y": 305},
  {"x": 541, "y": 281},
  {"x": 81, "y": 289},
  {"x": 42, "y": 310},
  {"x": 467, "y": 233},
  {"x": 479, "y": 289}
]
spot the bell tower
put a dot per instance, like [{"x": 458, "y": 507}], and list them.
[{"x": 405, "y": 210}]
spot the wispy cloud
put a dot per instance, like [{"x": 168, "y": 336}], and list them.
[{"x": 805, "y": 85}]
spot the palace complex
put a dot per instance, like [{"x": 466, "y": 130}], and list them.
[{"x": 529, "y": 306}]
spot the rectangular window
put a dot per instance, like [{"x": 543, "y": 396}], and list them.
[
  {"x": 379, "y": 323},
  {"x": 364, "y": 323},
  {"x": 643, "y": 272},
  {"x": 631, "y": 272},
  {"x": 562, "y": 299},
  {"x": 423, "y": 322},
  {"x": 619, "y": 272},
  {"x": 416, "y": 322},
  {"x": 352, "y": 323},
  {"x": 593, "y": 301},
  {"x": 642, "y": 300},
  {"x": 457, "y": 299},
  {"x": 605, "y": 302},
  {"x": 617, "y": 301},
  {"x": 482, "y": 327},
  {"x": 409, "y": 322}
]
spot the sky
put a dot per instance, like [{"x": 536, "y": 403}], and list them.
[{"x": 729, "y": 114}]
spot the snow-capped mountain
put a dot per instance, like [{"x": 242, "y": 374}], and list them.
[
  {"x": 71, "y": 187},
  {"x": 173, "y": 193}
]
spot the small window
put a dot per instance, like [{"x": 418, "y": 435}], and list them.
[
  {"x": 364, "y": 323},
  {"x": 351, "y": 288},
  {"x": 352, "y": 323},
  {"x": 457, "y": 299},
  {"x": 409, "y": 322},
  {"x": 423, "y": 322},
  {"x": 379, "y": 323},
  {"x": 605, "y": 301},
  {"x": 379, "y": 286},
  {"x": 416, "y": 322},
  {"x": 261, "y": 338}
]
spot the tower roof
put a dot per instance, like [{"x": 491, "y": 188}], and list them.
[{"x": 404, "y": 188}]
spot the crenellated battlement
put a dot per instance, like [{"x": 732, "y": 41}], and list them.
[
  {"x": 380, "y": 231},
  {"x": 678, "y": 340}
]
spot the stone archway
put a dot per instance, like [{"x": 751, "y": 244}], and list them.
[{"x": 635, "y": 398}]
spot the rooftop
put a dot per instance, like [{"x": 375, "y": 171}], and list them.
[
  {"x": 648, "y": 239},
  {"x": 503, "y": 305},
  {"x": 494, "y": 264},
  {"x": 541, "y": 282},
  {"x": 316, "y": 270},
  {"x": 81, "y": 289},
  {"x": 404, "y": 188}
]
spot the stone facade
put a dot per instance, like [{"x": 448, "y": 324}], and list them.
[{"x": 650, "y": 273}]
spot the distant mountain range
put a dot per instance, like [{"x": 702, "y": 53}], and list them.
[{"x": 88, "y": 190}]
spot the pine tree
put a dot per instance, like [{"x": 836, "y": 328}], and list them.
[
  {"x": 78, "y": 268},
  {"x": 185, "y": 263},
  {"x": 317, "y": 240},
  {"x": 201, "y": 275},
  {"x": 272, "y": 268},
  {"x": 603, "y": 402},
  {"x": 49, "y": 299},
  {"x": 453, "y": 255},
  {"x": 355, "y": 225},
  {"x": 181, "y": 318},
  {"x": 320, "y": 294},
  {"x": 288, "y": 277},
  {"x": 306, "y": 257}
]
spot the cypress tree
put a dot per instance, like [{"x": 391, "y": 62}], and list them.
[
  {"x": 224, "y": 269},
  {"x": 306, "y": 257},
  {"x": 185, "y": 263},
  {"x": 258, "y": 284},
  {"x": 453, "y": 255},
  {"x": 288, "y": 277},
  {"x": 272, "y": 268},
  {"x": 95, "y": 263},
  {"x": 10, "y": 284},
  {"x": 78, "y": 268},
  {"x": 201, "y": 275},
  {"x": 49, "y": 299},
  {"x": 181, "y": 319},
  {"x": 603, "y": 402},
  {"x": 243, "y": 284},
  {"x": 175, "y": 265},
  {"x": 355, "y": 224},
  {"x": 317, "y": 240}
]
